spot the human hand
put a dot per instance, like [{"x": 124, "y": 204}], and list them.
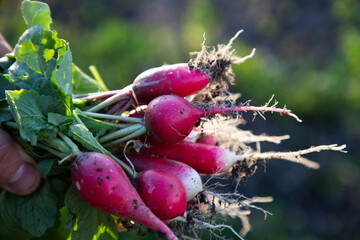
[
  {"x": 4, "y": 46},
  {"x": 18, "y": 173}
]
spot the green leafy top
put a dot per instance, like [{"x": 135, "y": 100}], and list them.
[{"x": 36, "y": 89}]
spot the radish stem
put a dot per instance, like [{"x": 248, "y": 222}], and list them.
[
  {"x": 117, "y": 106},
  {"x": 125, "y": 167},
  {"x": 141, "y": 131},
  {"x": 125, "y": 107},
  {"x": 109, "y": 101},
  {"x": 113, "y": 117},
  {"x": 58, "y": 144},
  {"x": 70, "y": 143},
  {"x": 120, "y": 133},
  {"x": 95, "y": 96},
  {"x": 52, "y": 151},
  {"x": 116, "y": 125}
]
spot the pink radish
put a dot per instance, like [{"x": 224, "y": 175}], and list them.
[
  {"x": 162, "y": 192},
  {"x": 189, "y": 178},
  {"x": 102, "y": 183},
  {"x": 206, "y": 159},
  {"x": 175, "y": 79},
  {"x": 170, "y": 118},
  {"x": 168, "y": 79},
  {"x": 183, "y": 79}
]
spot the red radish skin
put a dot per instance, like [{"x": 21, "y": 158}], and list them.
[
  {"x": 206, "y": 139},
  {"x": 162, "y": 192},
  {"x": 102, "y": 183},
  {"x": 205, "y": 159},
  {"x": 168, "y": 79},
  {"x": 188, "y": 177},
  {"x": 170, "y": 118}
]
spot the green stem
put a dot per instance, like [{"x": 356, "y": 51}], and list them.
[
  {"x": 52, "y": 151},
  {"x": 138, "y": 133},
  {"x": 57, "y": 144},
  {"x": 70, "y": 143},
  {"x": 53, "y": 145},
  {"x": 120, "y": 133},
  {"x": 109, "y": 101},
  {"x": 130, "y": 172},
  {"x": 117, "y": 125},
  {"x": 97, "y": 77},
  {"x": 114, "y": 117}
]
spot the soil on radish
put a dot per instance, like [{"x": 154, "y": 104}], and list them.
[
  {"x": 216, "y": 63},
  {"x": 242, "y": 170}
]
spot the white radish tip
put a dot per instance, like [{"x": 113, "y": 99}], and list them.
[{"x": 77, "y": 184}]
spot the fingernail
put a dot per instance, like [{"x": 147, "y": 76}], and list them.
[{"x": 25, "y": 180}]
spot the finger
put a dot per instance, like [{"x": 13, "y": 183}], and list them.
[
  {"x": 18, "y": 173},
  {"x": 4, "y": 46}
]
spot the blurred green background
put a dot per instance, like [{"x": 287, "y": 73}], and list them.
[{"x": 308, "y": 55}]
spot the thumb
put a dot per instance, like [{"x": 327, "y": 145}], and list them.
[
  {"x": 18, "y": 173},
  {"x": 4, "y": 46}
]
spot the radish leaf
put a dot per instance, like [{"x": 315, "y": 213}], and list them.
[
  {"x": 37, "y": 212},
  {"x": 96, "y": 127},
  {"x": 90, "y": 221},
  {"x": 10, "y": 227},
  {"x": 22, "y": 217},
  {"x": 27, "y": 109},
  {"x": 44, "y": 167},
  {"x": 85, "y": 137},
  {"x": 83, "y": 83},
  {"x": 36, "y": 13},
  {"x": 5, "y": 84}
]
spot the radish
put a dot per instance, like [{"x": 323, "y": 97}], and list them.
[
  {"x": 102, "y": 183},
  {"x": 189, "y": 178},
  {"x": 170, "y": 118},
  {"x": 205, "y": 159},
  {"x": 183, "y": 79},
  {"x": 168, "y": 79},
  {"x": 162, "y": 192}
]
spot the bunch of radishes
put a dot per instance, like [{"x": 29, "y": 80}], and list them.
[
  {"x": 164, "y": 180},
  {"x": 140, "y": 153},
  {"x": 162, "y": 110}
]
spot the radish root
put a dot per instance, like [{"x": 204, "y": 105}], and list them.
[{"x": 216, "y": 63}]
